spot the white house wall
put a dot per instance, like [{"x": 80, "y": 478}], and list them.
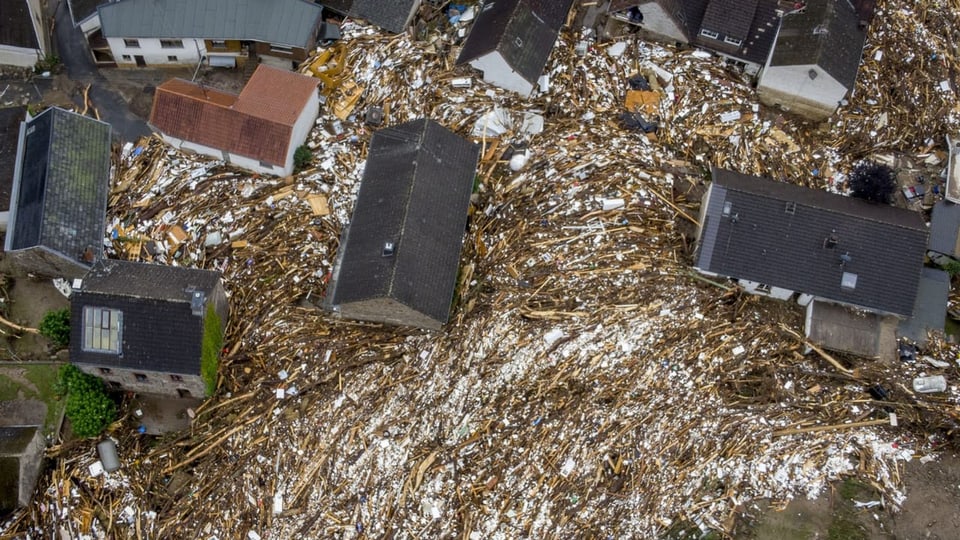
[
  {"x": 301, "y": 129},
  {"x": 19, "y": 56},
  {"x": 155, "y": 55},
  {"x": 255, "y": 165},
  {"x": 660, "y": 24},
  {"x": 498, "y": 72},
  {"x": 90, "y": 25},
  {"x": 792, "y": 88},
  {"x": 233, "y": 159}
]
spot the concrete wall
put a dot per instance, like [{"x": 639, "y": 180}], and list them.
[
  {"x": 30, "y": 467},
  {"x": 792, "y": 88},
  {"x": 155, "y": 383},
  {"x": 155, "y": 55},
  {"x": 657, "y": 24},
  {"x": 18, "y": 56},
  {"x": 389, "y": 311},
  {"x": 498, "y": 72},
  {"x": 234, "y": 159}
]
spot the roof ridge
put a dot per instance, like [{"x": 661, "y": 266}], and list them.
[{"x": 422, "y": 133}]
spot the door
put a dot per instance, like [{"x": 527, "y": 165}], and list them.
[{"x": 140, "y": 61}]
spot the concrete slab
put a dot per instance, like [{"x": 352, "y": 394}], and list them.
[{"x": 163, "y": 414}]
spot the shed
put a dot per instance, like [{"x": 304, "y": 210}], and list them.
[
  {"x": 21, "y": 450},
  {"x": 399, "y": 260}
]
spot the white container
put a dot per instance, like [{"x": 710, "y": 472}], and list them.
[{"x": 933, "y": 383}]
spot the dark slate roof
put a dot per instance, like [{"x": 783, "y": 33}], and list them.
[
  {"x": 81, "y": 9},
  {"x": 523, "y": 31},
  {"x": 340, "y": 6},
  {"x": 945, "y": 229},
  {"x": 730, "y": 18},
  {"x": 827, "y": 34},
  {"x": 930, "y": 309},
  {"x": 391, "y": 15},
  {"x": 286, "y": 22},
  {"x": 16, "y": 27},
  {"x": 15, "y": 439},
  {"x": 10, "y": 119},
  {"x": 64, "y": 181},
  {"x": 159, "y": 331},
  {"x": 415, "y": 192},
  {"x": 761, "y": 240}
]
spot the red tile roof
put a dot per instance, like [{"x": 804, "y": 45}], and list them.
[{"x": 257, "y": 124}]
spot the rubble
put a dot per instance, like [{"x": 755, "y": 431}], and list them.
[{"x": 589, "y": 382}]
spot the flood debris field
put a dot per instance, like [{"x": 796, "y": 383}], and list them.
[{"x": 588, "y": 384}]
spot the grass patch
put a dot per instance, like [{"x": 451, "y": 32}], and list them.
[
  {"x": 210, "y": 350},
  {"x": 845, "y": 525},
  {"x": 44, "y": 379}
]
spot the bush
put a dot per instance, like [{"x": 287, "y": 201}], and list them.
[
  {"x": 210, "y": 350},
  {"x": 55, "y": 326},
  {"x": 89, "y": 408},
  {"x": 873, "y": 182},
  {"x": 302, "y": 157},
  {"x": 48, "y": 63}
]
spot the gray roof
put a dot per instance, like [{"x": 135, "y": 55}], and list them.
[
  {"x": 415, "y": 193},
  {"x": 731, "y": 18},
  {"x": 391, "y": 15},
  {"x": 930, "y": 309},
  {"x": 10, "y": 118},
  {"x": 945, "y": 229},
  {"x": 826, "y": 34},
  {"x": 16, "y": 26},
  {"x": 159, "y": 331},
  {"x": 340, "y": 6},
  {"x": 841, "y": 328},
  {"x": 797, "y": 238},
  {"x": 523, "y": 31},
  {"x": 287, "y": 22},
  {"x": 61, "y": 193},
  {"x": 81, "y": 9}
]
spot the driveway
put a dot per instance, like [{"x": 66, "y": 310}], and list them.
[{"x": 73, "y": 52}]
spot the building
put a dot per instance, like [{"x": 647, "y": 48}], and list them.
[
  {"x": 511, "y": 40},
  {"x": 10, "y": 119},
  {"x": 944, "y": 244},
  {"x": 259, "y": 129},
  {"x": 84, "y": 15},
  {"x": 281, "y": 33},
  {"x": 21, "y": 450},
  {"x": 23, "y": 35},
  {"x": 59, "y": 197},
  {"x": 779, "y": 240},
  {"x": 391, "y": 15},
  {"x": 400, "y": 257},
  {"x": 815, "y": 58},
  {"x": 149, "y": 328}
]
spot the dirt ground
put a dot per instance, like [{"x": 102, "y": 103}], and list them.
[{"x": 29, "y": 299}]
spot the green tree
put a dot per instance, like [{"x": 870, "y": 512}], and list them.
[
  {"x": 302, "y": 157},
  {"x": 89, "y": 408},
  {"x": 55, "y": 326}
]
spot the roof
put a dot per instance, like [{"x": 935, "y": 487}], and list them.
[
  {"x": 286, "y": 22},
  {"x": 930, "y": 309},
  {"x": 257, "y": 123},
  {"x": 16, "y": 25},
  {"x": 340, "y": 6},
  {"x": 81, "y": 9},
  {"x": 945, "y": 229},
  {"x": 523, "y": 31},
  {"x": 730, "y": 18},
  {"x": 797, "y": 238},
  {"x": 159, "y": 331},
  {"x": 415, "y": 193},
  {"x": 14, "y": 440},
  {"x": 63, "y": 184},
  {"x": 10, "y": 118},
  {"x": 841, "y": 328},
  {"x": 826, "y": 34},
  {"x": 391, "y": 15}
]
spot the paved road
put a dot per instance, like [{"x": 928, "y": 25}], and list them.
[{"x": 80, "y": 67}]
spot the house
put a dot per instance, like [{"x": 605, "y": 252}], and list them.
[
  {"x": 21, "y": 451},
  {"x": 741, "y": 31},
  {"x": 399, "y": 259},
  {"x": 84, "y": 15},
  {"x": 944, "y": 233},
  {"x": 391, "y": 15},
  {"x": 221, "y": 33},
  {"x": 511, "y": 41},
  {"x": 259, "y": 129},
  {"x": 149, "y": 328},
  {"x": 815, "y": 58},
  {"x": 23, "y": 35},
  {"x": 778, "y": 239},
  {"x": 58, "y": 202}
]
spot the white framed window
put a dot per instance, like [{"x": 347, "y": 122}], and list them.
[
  {"x": 171, "y": 58},
  {"x": 281, "y": 48},
  {"x": 171, "y": 43},
  {"x": 709, "y": 33},
  {"x": 732, "y": 41},
  {"x": 102, "y": 329},
  {"x": 131, "y": 43},
  {"x": 127, "y": 57}
]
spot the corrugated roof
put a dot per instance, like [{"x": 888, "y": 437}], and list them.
[
  {"x": 16, "y": 26},
  {"x": 523, "y": 31},
  {"x": 81, "y": 9},
  {"x": 257, "y": 124},
  {"x": 415, "y": 193},
  {"x": 288, "y": 22},
  {"x": 781, "y": 235},
  {"x": 63, "y": 185},
  {"x": 391, "y": 15},
  {"x": 826, "y": 34}
]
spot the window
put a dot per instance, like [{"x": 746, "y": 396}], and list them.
[
  {"x": 732, "y": 41},
  {"x": 790, "y": 207},
  {"x": 281, "y": 48},
  {"x": 763, "y": 288},
  {"x": 171, "y": 43},
  {"x": 848, "y": 281},
  {"x": 105, "y": 371},
  {"x": 171, "y": 58},
  {"x": 709, "y": 33},
  {"x": 218, "y": 43},
  {"x": 140, "y": 377},
  {"x": 127, "y": 57},
  {"x": 132, "y": 43},
  {"x": 176, "y": 378},
  {"x": 102, "y": 329},
  {"x": 727, "y": 208}
]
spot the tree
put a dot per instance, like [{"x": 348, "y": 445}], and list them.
[
  {"x": 873, "y": 182},
  {"x": 302, "y": 157},
  {"x": 89, "y": 408},
  {"x": 55, "y": 326}
]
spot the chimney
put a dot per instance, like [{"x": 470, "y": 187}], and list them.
[{"x": 197, "y": 301}]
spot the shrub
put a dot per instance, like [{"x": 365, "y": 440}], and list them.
[
  {"x": 89, "y": 408},
  {"x": 302, "y": 157},
  {"x": 874, "y": 182},
  {"x": 210, "y": 350},
  {"x": 48, "y": 63},
  {"x": 55, "y": 326}
]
